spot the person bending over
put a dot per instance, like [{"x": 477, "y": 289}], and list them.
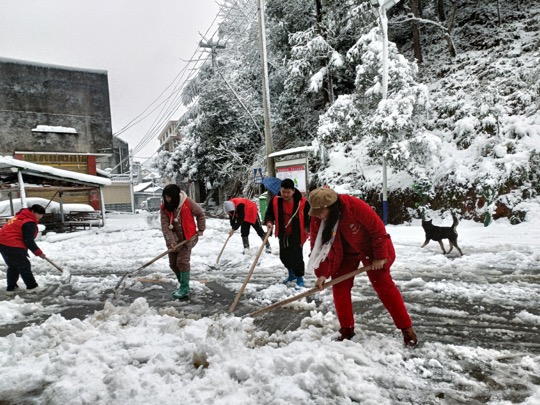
[
  {"x": 244, "y": 214},
  {"x": 16, "y": 237},
  {"x": 344, "y": 232}
]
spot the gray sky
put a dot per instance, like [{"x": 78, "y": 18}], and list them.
[{"x": 142, "y": 44}]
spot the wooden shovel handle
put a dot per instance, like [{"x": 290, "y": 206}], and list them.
[
  {"x": 311, "y": 291},
  {"x": 222, "y": 249},
  {"x": 167, "y": 252},
  {"x": 54, "y": 264},
  {"x": 153, "y": 260},
  {"x": 240, "y": 292}
]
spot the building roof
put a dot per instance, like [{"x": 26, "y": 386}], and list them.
[
  {"x": 49, "y": 66},
  {"x": 293, "y": 151},
  {"x": 9, "y": 166}
]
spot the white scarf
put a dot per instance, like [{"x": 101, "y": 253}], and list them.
[
  {"x": 183, "y": 198},
  {"x": 320, "y": 251}
]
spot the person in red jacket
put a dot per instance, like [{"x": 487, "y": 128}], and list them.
[
  {"x": 344, "y": 232},
  {"x": 244, "y": 214},
  {"x": 288, "y": 210},
  {"x": 16, "y": 237},
  {"x": 177, "y": 214}
]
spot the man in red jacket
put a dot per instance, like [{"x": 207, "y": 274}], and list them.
[
  {"x": 344, "y": 232},
  {"x": 16, "y": 237},
  {"x": 244, "y": 214},
  {"x": 288, "y": 211}
]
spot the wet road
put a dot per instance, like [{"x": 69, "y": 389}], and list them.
[{"x": 458, "y": 307}]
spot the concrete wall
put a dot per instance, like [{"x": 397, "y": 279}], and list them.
[{"x": 37, "y": 94}]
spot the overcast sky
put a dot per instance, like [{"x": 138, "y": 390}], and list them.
[{"x": 142, "y": 44}]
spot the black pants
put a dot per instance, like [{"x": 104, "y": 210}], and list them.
[
  {"x": 17, "y": 264},
  {"x": 291, "y": 255},
  {"x": 244, "y": 228}
]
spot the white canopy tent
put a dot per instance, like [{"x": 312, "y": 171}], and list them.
[{"x": 15, "y": 171}]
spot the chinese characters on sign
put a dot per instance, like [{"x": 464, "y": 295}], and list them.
[{"x": 295, "y": 170}]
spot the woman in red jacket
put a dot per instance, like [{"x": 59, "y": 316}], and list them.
[
  {"x": 178, "y": 213},
  {"x": 344, "y": 232}
]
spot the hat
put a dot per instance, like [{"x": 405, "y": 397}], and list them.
[
  {"x": 228, "y": 206},
  {"x": 321, "y": 198}
]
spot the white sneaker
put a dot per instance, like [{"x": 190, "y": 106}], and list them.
[
  {"x": 16, "y": 290},
  {"x": 35, "y": 290}
]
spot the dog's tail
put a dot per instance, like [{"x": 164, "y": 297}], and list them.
[{"x": 455, "y": 222}]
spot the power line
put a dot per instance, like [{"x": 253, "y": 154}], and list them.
[{"x": 172, "y": 103}]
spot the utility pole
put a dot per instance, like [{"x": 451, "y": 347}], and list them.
[
  {"x": 131, "y": 192},
  {"x": 265, "y": 91},
  {"x": 213, "y": 46}
]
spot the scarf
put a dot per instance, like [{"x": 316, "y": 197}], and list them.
[
  {"x": 183, "y": 198},
  {"x": 320, "y": 251}
]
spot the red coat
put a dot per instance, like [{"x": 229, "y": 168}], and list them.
[
  {"x": 250, "y": 209},
  {"x": 302, "y": 207},
  {"x": 361, "y": 235},
  {"x": 11, "y": 233}
]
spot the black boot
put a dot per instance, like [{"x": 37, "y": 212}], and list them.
[
  {"x": 346, "y": 334},
  {"x": 409, "y": 337},
  {"x": 245, "y": 240}
]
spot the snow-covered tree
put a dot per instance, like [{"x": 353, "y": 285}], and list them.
[{"x": 391, "y": 127}]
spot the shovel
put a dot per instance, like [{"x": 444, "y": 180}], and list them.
[
  {"x": 310, "y": 292},
  {"x": 116, "y": 288},
  {"x": 214, "y": 267},
  {"x": 239, "y": 294},
  {"x": 66, "y": 275},
  {"x": 223, "y": 248}
]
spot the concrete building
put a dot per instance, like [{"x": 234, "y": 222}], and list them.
[
  {"x": 60, "y": 117},
  {"x": 54, "y": 109},
  {"x": 169, "y": 137}
]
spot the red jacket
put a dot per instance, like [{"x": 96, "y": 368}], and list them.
[
  {"x": 250, "y": 211},
  {"x": 186, "y": 227},
  {"x": 361, "y": 234},
  {"x": 274, "y": 215},
  {"x": 11, "y": 233}
]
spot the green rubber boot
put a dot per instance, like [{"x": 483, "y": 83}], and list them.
[
  {"x": 178, "y": 275},
  {"x": 183, "y": 291}
]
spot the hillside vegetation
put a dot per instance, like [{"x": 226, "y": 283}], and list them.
[{"x": 458, "y": 132}]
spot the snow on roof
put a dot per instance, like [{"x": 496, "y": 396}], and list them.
[
  {"x": 45, "y": 65},
  {"x": 300, "y": 149},
  {"x": 48, "y": 128},
  {"x": 104, "y": 173},
  {"x": 147, "y": 188},
  {"x": 9, "y": 162}
]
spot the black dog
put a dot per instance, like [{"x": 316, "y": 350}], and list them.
[{"x": 438, "y": 233}]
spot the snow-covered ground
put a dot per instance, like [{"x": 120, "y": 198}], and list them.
[{"x": 477, "y": 318}]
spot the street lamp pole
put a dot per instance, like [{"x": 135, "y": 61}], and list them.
[{"x": 381, "y": 7}]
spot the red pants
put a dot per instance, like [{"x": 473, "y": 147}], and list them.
[{"x": 384, "y": 286}]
